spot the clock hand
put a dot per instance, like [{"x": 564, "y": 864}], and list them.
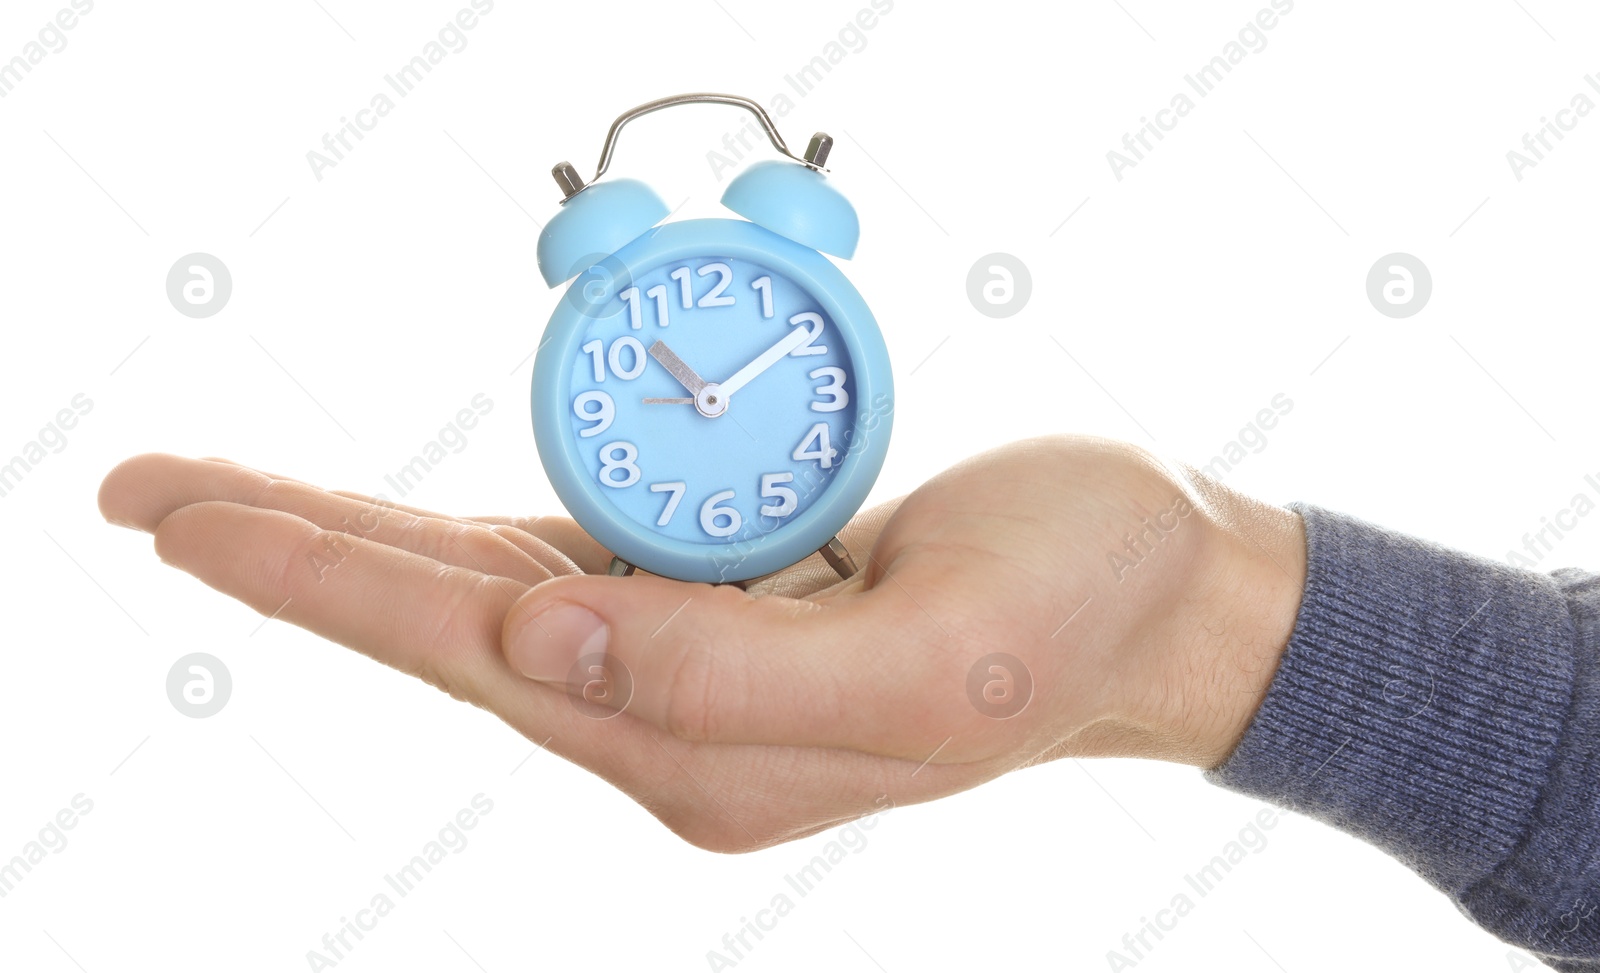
[
  {"x": 767, "y": 359},
  {"x": 682, "y": 372}
]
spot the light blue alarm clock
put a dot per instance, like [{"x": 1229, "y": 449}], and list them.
[{"x": 712, "y": 399}]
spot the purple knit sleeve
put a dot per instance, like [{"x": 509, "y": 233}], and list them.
[{"x": 1445, "y": 708}]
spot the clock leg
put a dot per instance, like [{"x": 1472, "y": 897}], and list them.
[
  {"x": 838, "y": 558},
  {"x": 620, "y": 568}
]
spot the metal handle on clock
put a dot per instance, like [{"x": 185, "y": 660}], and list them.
[{"x": 816, "y": 154}]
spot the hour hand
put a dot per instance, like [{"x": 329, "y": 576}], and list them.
[{"x": 680, "y": 370}]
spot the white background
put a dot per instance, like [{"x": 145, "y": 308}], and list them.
[{"x": 373, "y": 304}]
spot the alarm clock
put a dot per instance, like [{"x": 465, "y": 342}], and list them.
[{"x": 712, "y": 399}]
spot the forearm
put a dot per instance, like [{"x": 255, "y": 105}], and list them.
[{"x": 1444, "y": 708}]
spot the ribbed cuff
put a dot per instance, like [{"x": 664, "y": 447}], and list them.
[{"x": 1420, "y": 703}]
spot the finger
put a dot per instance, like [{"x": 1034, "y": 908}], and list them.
[
  {"x": 401, "y": 608},
  {"x": 562, "y": 534},
  {"x": 576, "y": 549},
  {"x": 553, "y": 544},
  {"x": 350, "y": 494},
  {"x": 276, "y": 476},
  {"x": 547, "y": 553},
  {"x": 555, "y": 562},
  {"x": 406, "y": 507},
  {"x": 145, "y": 489},
  {"x": 712, "y": 664}
]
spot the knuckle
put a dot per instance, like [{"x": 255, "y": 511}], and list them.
[
  {"x": 451, "y": 623},
  {"x": 268, "y": 491},
  {"x": 260, "y": 487},
  {"x": 508, "y": 534},
  {"x": 548, "y": 560},
  {"x": 275, "y": 492},
  {"x": 492, "y": 552},
  {"x": 442, "y": 678},
  {"x": 455, "y": 637},
  {"x": 481, "y": 545}
]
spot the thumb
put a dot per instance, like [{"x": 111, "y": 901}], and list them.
[{"x": 716, "y": 665}]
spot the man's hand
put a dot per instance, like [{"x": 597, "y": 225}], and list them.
[{"x": 1140, "y": 610}]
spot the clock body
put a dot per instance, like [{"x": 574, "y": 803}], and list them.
[{"x": 745, "y": 485}]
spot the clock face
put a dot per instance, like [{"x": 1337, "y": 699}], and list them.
[{"x": 711, "y": 401}]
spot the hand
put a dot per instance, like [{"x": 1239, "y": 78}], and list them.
[{"x": 805, "y": 702}]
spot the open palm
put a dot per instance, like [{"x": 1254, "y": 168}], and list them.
[{"x": 750, "y": 717}]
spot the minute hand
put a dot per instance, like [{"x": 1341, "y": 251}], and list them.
[{"x": 768, "y": 358}]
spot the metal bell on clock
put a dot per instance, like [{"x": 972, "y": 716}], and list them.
[
  {"x": 797, "y": 202},
  {"x": 595, "y": 222}
]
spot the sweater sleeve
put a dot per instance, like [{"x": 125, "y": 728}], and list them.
[{"x": 1445, "y": 708}]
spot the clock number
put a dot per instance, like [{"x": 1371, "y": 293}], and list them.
[
  {"x": 685, "y": 294},
  {"x": 824, "y": 451},
  {"x": 597, "y": 349},
  {"x": 677, "y": 489},
  {"x": 710, "y": 511},
  {"x": 635, "y": 316},
  {"x": 605, "y": 410},
  {"x": 636, "y": 312},
  {"x": 813, "y": 322},
  {"x": 715, "y": 297},
  {"x": 609, "y": 463},
  {"x": 770, "y": 488},
  {"x": 834, "y": 389},
  {"x": 764, "y": 285},
  {"x": 615, "y": 357},
  {"x": 659, "y": 293}
]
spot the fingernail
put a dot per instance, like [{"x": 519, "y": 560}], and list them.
[{"x": 550, "y": 644}]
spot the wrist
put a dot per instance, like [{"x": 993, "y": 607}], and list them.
[
  {"x": 1255, "y": 610},
  {"x": 1191, "y": 635},
  {"x": 1231, "y": 614}
]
